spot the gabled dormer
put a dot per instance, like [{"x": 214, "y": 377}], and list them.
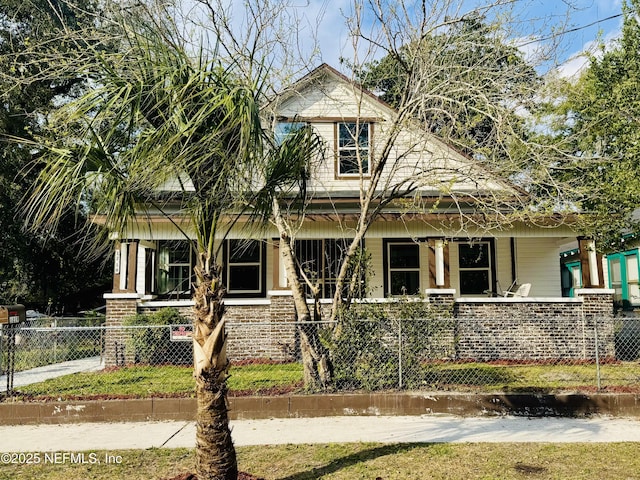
[{"x": 359, "y": 129}]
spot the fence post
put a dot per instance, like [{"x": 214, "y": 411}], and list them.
[
  {"x": 400, "y": 353},
  {"x": 595, "y": 335},
  {"x": 55, "y": 340}
]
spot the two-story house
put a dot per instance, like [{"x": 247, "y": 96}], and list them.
[{"x": 437, "y": 241}]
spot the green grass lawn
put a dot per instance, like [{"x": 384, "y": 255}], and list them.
[
  {"x": 486, "y": 461},
  {"x": 147, "y": 381},
  {"x": 167, "y": 380},
  {"x": 489, "y": 377}
]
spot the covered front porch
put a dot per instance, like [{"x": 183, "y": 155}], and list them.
[{"x": 468, "y": 276}]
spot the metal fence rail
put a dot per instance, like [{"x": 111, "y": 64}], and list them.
[{"x": 63, "y": 357}]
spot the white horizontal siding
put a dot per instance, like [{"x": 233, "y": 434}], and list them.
[
  {"x": 503, "y": 263},
  {"x": 538, "y": 263},
  {"x": 331, "y": 98},
  {"x": 416, "y": 156},
  {"x": 270, "y": 263},
  {"x": 376, "y": 275}
]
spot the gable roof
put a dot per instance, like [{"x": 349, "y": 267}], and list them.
[
  {"x": 327, "y": 70},
  {"x": 293, "y": 101}
]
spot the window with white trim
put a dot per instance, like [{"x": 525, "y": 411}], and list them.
[
  {"x": 403, "y": 268},
  {"x": 244, "y": 260},
  {"x": 475, "y": 268},
  {"x": 353, "y": 149}
]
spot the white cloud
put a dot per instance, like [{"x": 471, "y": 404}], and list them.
[
  {"x": 580, "y": 60},
  {"x": 573, "y": 67},
  {"x": 609, "y": 5}
]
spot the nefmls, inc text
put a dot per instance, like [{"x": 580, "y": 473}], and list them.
[{"x": 59, "y": 458}]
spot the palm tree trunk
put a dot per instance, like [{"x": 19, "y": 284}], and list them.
[{"x": 215, "y": 453}]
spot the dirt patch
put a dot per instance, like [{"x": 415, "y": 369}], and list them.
[
  {"x": 192, "y": 476},
  {"x": 264, "y": 392},
  {"x": 529, "y": 469}
]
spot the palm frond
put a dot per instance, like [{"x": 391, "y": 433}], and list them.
[
  {"x": 156, "y": 114},
  {"x": 286, "y": 170}
]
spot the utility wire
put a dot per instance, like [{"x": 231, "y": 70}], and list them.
[{"x": 571, "y": 30}]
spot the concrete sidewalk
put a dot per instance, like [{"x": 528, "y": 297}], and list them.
[
  {"x": 385, "y": 429},
  {"x": 40, "y": 374}
]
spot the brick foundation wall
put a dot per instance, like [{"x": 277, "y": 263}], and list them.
[
  {"x": 115, "y": 351},
  {"x": 599, "y": 313},
  {"x": 263, "y": 331},
  {"x": 470, "y": 329},
  {"x": 535, "y": 330}
]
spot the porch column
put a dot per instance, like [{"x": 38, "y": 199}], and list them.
[
  {"x": 125, "y": 267},
  {"x": 119, "y": 307},
  {"x": 439, "y": 264},
  {"x": 280, "y": 281},
  {"x": 590, "y": 263}
]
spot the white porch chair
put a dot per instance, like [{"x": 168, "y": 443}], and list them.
[{"x": 521, "y": 291}]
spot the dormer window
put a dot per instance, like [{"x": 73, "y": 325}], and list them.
[
  {"x": 353, "y": 149},
  {"x": 286, "y": 129}
]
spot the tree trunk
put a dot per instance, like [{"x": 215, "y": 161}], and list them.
[
  {"x": 318, "y": 373},
  {"x": 316, "y": 362},
  {"x": 215, "y": 453}
]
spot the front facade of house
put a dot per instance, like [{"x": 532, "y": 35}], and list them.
[{"x": 442, "y": 249}]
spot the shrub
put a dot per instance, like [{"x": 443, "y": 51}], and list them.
[
  {"x": 388, "y": 345},
  {"x": 150, "y": 340}
]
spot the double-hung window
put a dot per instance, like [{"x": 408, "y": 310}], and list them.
[
  {"x": 403, "y": 268},
  {"x": 244, "y": 267},
  {"x": 353, "y": 149},
  {"x": 475, "y": 268},
  {"x": 175, "y": 268}
]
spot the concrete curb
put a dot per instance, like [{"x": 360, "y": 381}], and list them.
[{"x": 307, "y": 406}]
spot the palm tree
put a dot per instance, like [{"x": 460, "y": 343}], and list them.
[{"x": 157, "y": 114}]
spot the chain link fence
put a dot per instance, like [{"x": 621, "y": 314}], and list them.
[{"x": 71, "y": 358}]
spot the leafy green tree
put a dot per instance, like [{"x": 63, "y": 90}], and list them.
[
  {"x": 599, "y": 118},
  {"x": 465, "y": 71},
  {"x": 36, "y": 268}
]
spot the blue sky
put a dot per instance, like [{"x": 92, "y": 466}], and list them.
[
  {"x": 588, "y": 12},
  {"x": 576, "y": 23},
  {"x": 552, "y": 15}
]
